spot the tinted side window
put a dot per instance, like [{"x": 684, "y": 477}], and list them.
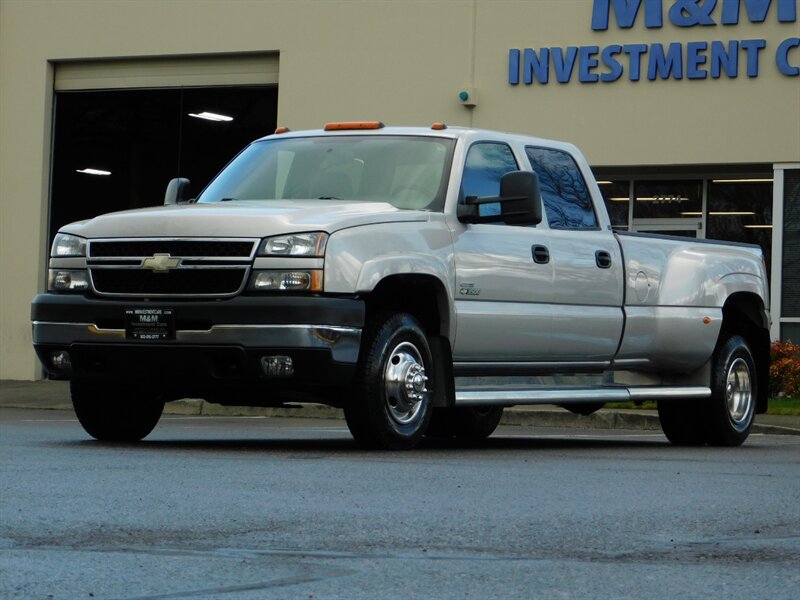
[
  {"x": 564, "y": 193},
  {"x": 486, "y": 164}
]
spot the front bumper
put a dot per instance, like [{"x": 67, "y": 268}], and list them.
[{"x": 215, "y": 340}]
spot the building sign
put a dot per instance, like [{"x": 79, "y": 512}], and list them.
[{"x": 691, "y": 60}]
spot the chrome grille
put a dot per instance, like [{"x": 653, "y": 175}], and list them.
[
  {"x": 136, "y": 248},
  {"x": 205, "y": 267}
]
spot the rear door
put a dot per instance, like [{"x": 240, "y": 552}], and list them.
[{"x": 587, "y": 263}]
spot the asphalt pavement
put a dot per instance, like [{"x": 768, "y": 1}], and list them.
[
  {"x": 54, "y": 395},
  {"x": 238, "y": 508}
]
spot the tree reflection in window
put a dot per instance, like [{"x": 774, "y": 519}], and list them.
[{"x": 564, "y": 193}]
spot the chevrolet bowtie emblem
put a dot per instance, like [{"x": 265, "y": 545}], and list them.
[{"x": 160, "y": 263}]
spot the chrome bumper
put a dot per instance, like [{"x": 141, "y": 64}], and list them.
[{"x": 343, "y": 342}]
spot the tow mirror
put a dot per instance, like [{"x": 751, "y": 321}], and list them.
[
  {"x": 178, "y": 190},
  {"x": 519, "y": 202}
]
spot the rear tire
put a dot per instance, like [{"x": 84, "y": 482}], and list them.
[
  {"x": 116, "y": 413},
  {"x": 682, "y": 421},
  {"x": 390, "y": 406},
  {"x": 734, "y": 389},
  {"x": 724, "y": 419}
]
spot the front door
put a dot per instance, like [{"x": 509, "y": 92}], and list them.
[{"x": 504, "y": 282}]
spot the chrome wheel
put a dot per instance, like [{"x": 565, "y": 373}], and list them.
[
  {"x": 739, "y": 394},
  {"x": 726, "y": 419},
  {"x": 392, "y": 404},
  {"x": 405, "y": 384}
]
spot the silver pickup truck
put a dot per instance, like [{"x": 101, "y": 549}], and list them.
[{"x": 420, "y": 278}]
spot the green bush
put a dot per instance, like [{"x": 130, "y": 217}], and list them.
[{"x": 784, "y": 369}]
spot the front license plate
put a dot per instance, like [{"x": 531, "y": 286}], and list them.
[{"x": 150, "y": 323}]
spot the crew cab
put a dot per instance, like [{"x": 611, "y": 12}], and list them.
[{"x": 422, "y": 279}]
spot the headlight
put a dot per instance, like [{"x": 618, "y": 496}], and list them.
[
  {"x": 64, "y": 280},
  {"x": 296, "y": 244},
  {"x": 66, "y": 244}
]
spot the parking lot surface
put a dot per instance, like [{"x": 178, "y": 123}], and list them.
[{"x": 243, "y": 507}]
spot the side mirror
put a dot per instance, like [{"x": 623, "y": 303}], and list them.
[
  {"x": 520, "y": 202},
  {"x": 178, "y": 190},
  {"x": 521, "y": 199}
]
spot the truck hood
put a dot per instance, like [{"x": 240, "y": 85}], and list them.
[{"x": 241, "y": 219}]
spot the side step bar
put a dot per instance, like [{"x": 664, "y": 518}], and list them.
[{"x": 575, "y": 395}]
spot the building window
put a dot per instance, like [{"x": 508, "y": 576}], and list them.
[
  {"x": 790, "y": 300},
  {"x": 734, "y": 208},
  {"x": 740, "y": 210},
  {"x": 617, "y": 196},
  {"x": 667, "y": 199}
]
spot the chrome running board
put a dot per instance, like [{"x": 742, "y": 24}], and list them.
[{"x": 575, "y": 395}]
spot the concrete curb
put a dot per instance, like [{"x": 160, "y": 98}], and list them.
[{"x": 54, "y": 395}]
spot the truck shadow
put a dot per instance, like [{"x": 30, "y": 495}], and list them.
[{"x": 348, "y": 445}]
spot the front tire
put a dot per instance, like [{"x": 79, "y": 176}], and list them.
[
  {"x": 391, "y": 402},
  {"x": 115, "y": 413},
  {"x": 465, "y": 423}
]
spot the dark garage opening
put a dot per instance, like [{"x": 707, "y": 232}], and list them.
[{"x": 116, "y": 150}]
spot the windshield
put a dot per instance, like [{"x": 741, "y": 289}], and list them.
[{"x": 407, "y": 172}]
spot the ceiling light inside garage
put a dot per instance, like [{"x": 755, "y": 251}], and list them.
[
  {"x": 764, "y": 180},
  {"x": 93, "y": 172},
  {"x": 210, "y": 116}
]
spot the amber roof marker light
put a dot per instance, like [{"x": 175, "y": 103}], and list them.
[
  {"x": 438, "y": 126},
  {"x": 349, "y": 125},
  {"x": 281, "y": 130}
]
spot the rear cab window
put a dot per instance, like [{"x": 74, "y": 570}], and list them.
[{"x": 565, "y": 195}]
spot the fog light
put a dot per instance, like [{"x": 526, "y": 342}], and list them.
[
  {"x": 282, "y": 280},
  {"x": 68, "y": 280},
  {"x": 61, "y": 360},
  {"x": 277, "y": 366}
]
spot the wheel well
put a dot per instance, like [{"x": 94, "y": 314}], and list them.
[
  {"x": 745, "y": 314},
  {"x": 422, "y": 296}
]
